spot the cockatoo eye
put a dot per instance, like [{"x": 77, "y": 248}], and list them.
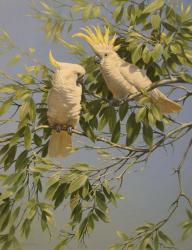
[{"x": 105, "y": 54}]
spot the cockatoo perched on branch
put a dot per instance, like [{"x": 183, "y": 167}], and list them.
[
  {"x": 121, "y": 77},
  {"x": 64, "y": 105}
]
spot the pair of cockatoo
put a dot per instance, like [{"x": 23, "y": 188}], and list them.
[{"x": 121, "y": 77}]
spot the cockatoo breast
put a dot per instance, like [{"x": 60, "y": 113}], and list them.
[
  {"x": 115, "y": 81},
  {"x": 64, "y": 103}
]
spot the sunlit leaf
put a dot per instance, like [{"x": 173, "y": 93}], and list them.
[
  {"x": 78, "y": 183},
  {"x": 155, "y": 5},
  {"x": 116, "y": 133}
]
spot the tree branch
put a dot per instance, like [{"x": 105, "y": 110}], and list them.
[{"x": 163, "y": 82}]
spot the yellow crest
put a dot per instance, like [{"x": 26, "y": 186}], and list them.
[
  {"x": 97, "y": 39},
  {"x": 54, "y": 62}
]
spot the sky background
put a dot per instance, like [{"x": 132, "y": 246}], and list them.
[{"x": 148, "y": 194}]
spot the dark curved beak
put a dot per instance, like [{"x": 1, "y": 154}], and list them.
[
  {"x": 97, "y": 59},
  {"x": 81, "y": 80}
]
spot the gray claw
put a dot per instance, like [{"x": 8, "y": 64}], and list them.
[
  {"x": 69, "y": 130},
  {"x": 114, "y": 103},
  {"x": 58, "y": 127}
]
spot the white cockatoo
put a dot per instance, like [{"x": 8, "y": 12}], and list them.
[
  {"x": 121, "y": 77},
  {"x": 64, "y": 105}
]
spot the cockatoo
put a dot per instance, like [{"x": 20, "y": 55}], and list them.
[
  {"x": 64, "y": 105},
  {"x": 121, "y": 77}
]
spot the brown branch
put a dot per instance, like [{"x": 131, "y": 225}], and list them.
[
  {"x": 124, "y": 147},
  {"x": 156, "y": 85},
  {"x": 102, "y": 139}
]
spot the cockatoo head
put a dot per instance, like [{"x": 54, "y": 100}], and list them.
[
  {"x": 68, "y": 70},
  {"x": 100, "y": 42}
]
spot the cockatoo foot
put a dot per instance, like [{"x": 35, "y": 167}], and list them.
[
  {"x": 114, "y": 103},
  {"x": 58, "y": 127},
  {"x": 69, "y": 130}
]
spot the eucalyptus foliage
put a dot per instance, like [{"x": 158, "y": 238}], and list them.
[{"x": 154, "y": 35}]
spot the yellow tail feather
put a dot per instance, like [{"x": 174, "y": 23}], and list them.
[
  {"x": 164, "y": 104},
  {"x": 60, "y": 144}
]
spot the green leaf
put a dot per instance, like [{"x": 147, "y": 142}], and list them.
[
  {"x": 151, "y": 118},
  {"x": 6, "y": 105},
  {"x": 157, "y": 51},
  {"x": 82, "y": 167},
  {"x": 102, "y": 215},
  {"x": 146, "y": 55},
  {"x": 31, "y": 212},
  {"x": 100, "y": 200},
  {"x": 24, "y": 110},
  {"x": 32, "y": 110},
  {"x": 20, "y": 193},
  {"x": 116, "y": 133},
  {"x": 102, "y": 123},
  {"x": 155, "y": 5},
  {"x": 176, "y": 48},
  {"x": 137, "y": 53},
  {"x": 97, "y": 11},
  {"x": 148, "y": 135},
  {"x": 5, "y": 195},
  {"x": 123, "y": 236},
  {"x": 74, "y": 200},
  {"x": 10, "y": 157},
  {"x": 27, "y": 138},
  {"x": 69, "y": 177},
  {"x": 115, "y": 246},
  {"x": 186, "y": 77},
  {"x": 14, "y": 60},
  {"x": 14, "y": 139},
  {"x": 40, "y": 169},
  {"x": 21, "y": 160},
  {"x": 139, "y": 116},
  {"x": 90, "y": 133},
  {"x": 118, "y": 13},
  {"x": 90, "y": 222},
  {"x": 133, "y": 129},
  {"x": 78, "y": 183},
  {"x": 51, "y": 191},
  {"x": 87, "y": 12},
  {"x": 82, "y": 228},
  {"x": 160, "y": 126},
  {"x": 165, "y": 238},
  {"x": 189, "y": 214},
  {"x": 123, "y": 110},
  {"x": 156, "y": 242},
  {"x": 5, "y": 219},
  {"x": 155, "y": 21},
  {"x": 169, "y": 27},
  {"x": 111, "y": 118},
  {"x": 26, "y": 226},
  {"x": 15, "y": 214},
  {"x": 156, "y": 113},
  {"x": 61, "y": 244},
  {"x": 85, "y": 191},
  {"x": 37, "y": 140}
]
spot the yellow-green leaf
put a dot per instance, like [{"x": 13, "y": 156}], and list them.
[
  {"x": 137, "y": 53},
  {"x": 6, "y": 105},
  {"x": 116, "y": 133},
  {"x": 148, "y": 135},
  {"x": 155, "y": 21},
  {"x": 14, "y": 59},
  {"x": 78, "y": 183},
  {"x": 139, "y": 116},
  {"x": 155, "y": 5},
  {"x": 27, "y": 137}
]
